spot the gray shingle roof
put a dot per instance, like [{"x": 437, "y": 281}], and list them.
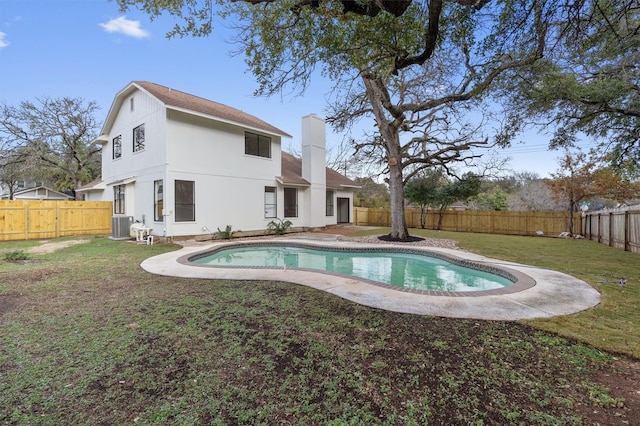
[
  {"x": 292, "y": 174},
  {"x": 178, "y": 99}
]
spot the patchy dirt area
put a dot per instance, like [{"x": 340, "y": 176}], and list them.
[
  {"x": 48, "y": 247},
  {"x": 623, "y": 382},
  {"x": 310, "y": 357}
]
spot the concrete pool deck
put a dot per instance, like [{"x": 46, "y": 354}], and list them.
[{"x": 554, "y": 294}]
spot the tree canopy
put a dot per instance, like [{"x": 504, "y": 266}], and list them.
[
  {"x": 581, "y": 178},
  {"x": 415, "y": 72},
  {"x": 53, "y": 135},
  {"x": 434, "y": 189},
  {"x": 588, "y": 85}
]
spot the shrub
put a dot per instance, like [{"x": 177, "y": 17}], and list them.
[
  {"x": 227, "y": 234},
  {"x": 279, "y": 226},
  {"x": 13, "y": 256}
]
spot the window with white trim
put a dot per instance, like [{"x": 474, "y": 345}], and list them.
[
  {"x": 290, "y": 202},
  {"x": 330, "y": 208},
  {"x": 257, "y": 145},
  {"x": 158, "y": 200},
  {"x": 118, "y": 199},
  {"x": 117, "y": 147},
  {"x": 270, "y": 202},
  {"x": 138, "y": 138},
  {"x": 185, "y": 209}
]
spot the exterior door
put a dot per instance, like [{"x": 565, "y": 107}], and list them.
[{"x": 343, "y": 210}]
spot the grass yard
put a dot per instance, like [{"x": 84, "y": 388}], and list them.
[
  {"x": 87, "y": 337},
  {"x": 614, "y": 325}
]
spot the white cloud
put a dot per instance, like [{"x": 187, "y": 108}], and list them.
[
  {"x": 3, "y": 42},
  {"x": 125, "y": 26}
]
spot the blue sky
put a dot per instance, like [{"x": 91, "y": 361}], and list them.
[{"x": 88, "y": 49}]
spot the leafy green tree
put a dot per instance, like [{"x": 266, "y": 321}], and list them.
[
  {"x": 588, "y": 85},
  {"x": 370, "y": 194},
  {"x": 423, "y": 191},
  {"x": 56, "y": 135},
  {"x": 495, "y": 199},
  {"x": 433, "y": 189},
  {"x": 414, "y": 71}
]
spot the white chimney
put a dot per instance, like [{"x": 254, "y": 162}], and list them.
[{"x": 314, "y": 170}]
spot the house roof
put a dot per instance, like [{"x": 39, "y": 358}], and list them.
[
  {"x": 39, "y": 192},
  {"x": 291, "y": 170},
  {"x": 94, "y": 184},
  {"x": 185, "y": 102},
  {"x": 292, "y": 174}
]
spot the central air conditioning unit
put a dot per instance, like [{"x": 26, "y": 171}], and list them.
[{"x": 120, "y": 227}]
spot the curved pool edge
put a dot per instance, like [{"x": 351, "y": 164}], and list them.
[
  {"x": 519, "y": 280},
  {"x": 554, "y": 294}
]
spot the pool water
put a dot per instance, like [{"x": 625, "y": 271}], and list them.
[{"x": 406, "y": 270}]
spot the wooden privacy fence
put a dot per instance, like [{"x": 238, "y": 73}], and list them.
[
  {"x": 492, "y": 222},
  {"x": 618, "y": 228},
  {"x": 26, "y": 220}
]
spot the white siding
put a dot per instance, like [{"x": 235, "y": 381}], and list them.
[
  {"x": 229, "y": 188},
  {"x": 229, "y": 185},
  {"x": 146, "y": 165}
]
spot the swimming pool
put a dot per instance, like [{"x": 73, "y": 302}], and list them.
[{"x": 408, "y": 270}]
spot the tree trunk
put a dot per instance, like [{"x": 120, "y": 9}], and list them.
[
  {"x": 389, "y": 131},
  {"x": 571, "y": 218},
  {"x": 440, "y": 216},
  {"x": 396, "y": 189}
]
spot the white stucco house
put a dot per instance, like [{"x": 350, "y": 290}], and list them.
[{"x": 184, "y": 165}]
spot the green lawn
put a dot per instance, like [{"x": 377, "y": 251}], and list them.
[
  {"x": 87, "y": 337},
  {"x": 614, "y": 325}
]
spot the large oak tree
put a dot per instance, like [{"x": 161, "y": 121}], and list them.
[
  {"x": 54, "y": 134},
  {"x": 417, "y": 69},
  {"x": 588, "y": 85}
]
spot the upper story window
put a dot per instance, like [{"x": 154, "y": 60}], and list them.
[
  {"x": 131, "y": 104},
  {"x": 257, "y": 145},
  {"x": 117, "y": 147},
  {"x": 138, "y": 138}
]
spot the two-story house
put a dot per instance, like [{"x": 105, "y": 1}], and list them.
[{"x": 184, "y": 165}]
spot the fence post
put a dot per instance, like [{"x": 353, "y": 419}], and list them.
[
  {"x": 610, "y": 229},
  {"x": 27, "y": 225},
  {"x": 56, "y": 218},
  {"x": 627, "y": 231}
]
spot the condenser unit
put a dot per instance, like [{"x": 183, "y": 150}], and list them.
[{"x": 120, "y": 227}]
